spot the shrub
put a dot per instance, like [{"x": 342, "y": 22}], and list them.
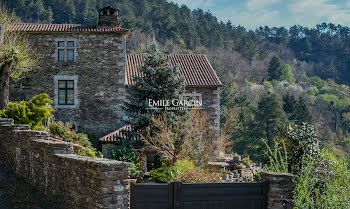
[
  {"x": 122, "y": 153},
  {"x": 192, "y": 137},
  {"x": 68, "y": 134},
  {"x": 277, "y": 158},
  {"x": 166, "y": 173},
  {"x": 162, "y": 175},
  {"x": 90, "y": 152},
  {"x": 323, "y": 183},
  {"x": 198, "y": 176},
  {"x": 32, "y": 112},
  {"x": 182, "y": 166}
]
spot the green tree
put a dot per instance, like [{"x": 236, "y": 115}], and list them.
[
  {"x": 160, "y": 81},
  {"x": 287, "y": 74},
  {"x": 289, "y": 105},
  {"x": 275, "y": 68},
  {"x": 270, "y": 115},
  {"x": 16, "y": 55},
  {"x": 301, "y": 112}
]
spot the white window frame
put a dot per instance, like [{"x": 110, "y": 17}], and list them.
[
  {"x": 76, "y": 92},
  {"x": 65, "y": 48}
]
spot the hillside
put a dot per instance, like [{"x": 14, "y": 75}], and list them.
[{"x": 317, "y": 58}]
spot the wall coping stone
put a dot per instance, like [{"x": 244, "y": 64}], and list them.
[{"x": 62, "y": 178}]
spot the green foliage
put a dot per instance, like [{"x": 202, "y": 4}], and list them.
[
  {"x": 318, "y": 82},
  {"x": 32, "y": 112},
  {"x": 182, "y": 166},
  {"x": 88, "y": 152},
  {"x": 302, "y": 145},
  {"x": 323, "y": 183},
  {"x": 68, "y": 134},
  {"x": 268, "y": 84},
  {"x": 247, "y": 160},
  {"x": 166, "y": 173},
  {"x": 122, "y": 153},
  {"x": 277, "y": 157},
  {"x": 287, "y": 74},
  {"x": 269, "y": 115},
  {"x": 275, "y": 68},
  {"x": 313, "y": 91},
  {"x": 163, "y": 174},
  {"x": 15, "y": 49}
]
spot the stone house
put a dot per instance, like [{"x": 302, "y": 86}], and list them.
[{"x": 85, "y": 70}]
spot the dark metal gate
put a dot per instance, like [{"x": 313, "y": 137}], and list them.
[{"x": 177, "y": 195}]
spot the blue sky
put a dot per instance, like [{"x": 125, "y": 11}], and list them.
[{"x": 253, "y": 13}]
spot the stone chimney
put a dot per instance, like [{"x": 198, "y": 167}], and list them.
[{"x": 109, "y": 17}]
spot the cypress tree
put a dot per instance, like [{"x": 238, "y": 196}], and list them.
[{"x": 160, "y": 81}]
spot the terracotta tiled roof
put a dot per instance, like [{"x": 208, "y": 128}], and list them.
[
  {"x": 115, "y": 136},
  {"x": 195, "y": 68},
  {"x": 34, "y": 27}
]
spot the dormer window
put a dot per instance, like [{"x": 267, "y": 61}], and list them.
[{"x": 66, "y": 50}]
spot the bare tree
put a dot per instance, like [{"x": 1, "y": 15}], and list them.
[{"x": 16, "y": 55}]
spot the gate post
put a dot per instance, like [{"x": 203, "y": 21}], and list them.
[
  {"x": 281, "y": 187},
  {"x": 178, "y": 195}
]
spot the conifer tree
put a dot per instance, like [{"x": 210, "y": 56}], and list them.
[
  {"x": 289, "y": 105},
  {"x": 302, "y": 114},
  {"x": 160, "y": 81},
  {"x": 275, "y": 68},
  {"x": 270, "y": 115}
]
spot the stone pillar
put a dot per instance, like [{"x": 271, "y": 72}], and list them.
[{"x": 281, "y": 187}]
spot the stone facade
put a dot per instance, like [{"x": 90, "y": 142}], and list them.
[
  {"x": 94, "y": 59},
  {"x": 281, "y": 187},
  {"x": 98, "y": 71},
  {"x": 210, "y": 97},
  {"x": 62, "y": 178}
]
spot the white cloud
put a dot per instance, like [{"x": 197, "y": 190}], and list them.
[
  {"x": 320, "y": 11},
  {"x": 194, "y": 4},
  {"x": 259, "y": 4}
]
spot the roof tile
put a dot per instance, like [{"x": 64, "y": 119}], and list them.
[
  {"x": 35, "y": 27},
  {"x": 195, "y": 68}
]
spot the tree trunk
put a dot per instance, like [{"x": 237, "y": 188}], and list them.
[{"x": 5, "y": 84}]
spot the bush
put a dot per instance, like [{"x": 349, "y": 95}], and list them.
[
  {"x": 198, "y": 176},
  {"x": 166, "y": 173},
  {"x": 323, "y": 183},
  {"x": 163, "y": 174},
  {"x": 32, "y": 112},
  {"x": 181, "y": 166},
  {"x": 122, "y": 153},
  {"x": 68, "y": 134},
  {"x": 88, "y": 152}
]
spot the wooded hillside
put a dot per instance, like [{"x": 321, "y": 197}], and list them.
[{"x": 305, "y": 69}]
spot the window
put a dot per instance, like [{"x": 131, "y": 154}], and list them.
[
  {"x": 197, "y": 97},
  {"x": 66, "y": 50},
  {"x": 66, "y": 92}
]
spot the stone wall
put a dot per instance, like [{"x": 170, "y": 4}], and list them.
[
  {"x": 211, "y": 104},
  {"x": 63, "y": 178},
  {"x": 281, "y": 187},
  {"x": 98, "y": 69}
]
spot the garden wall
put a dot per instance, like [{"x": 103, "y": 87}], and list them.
[
  {"x": 61, "y": 177},
  {"x": 281, "y": 187}
]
